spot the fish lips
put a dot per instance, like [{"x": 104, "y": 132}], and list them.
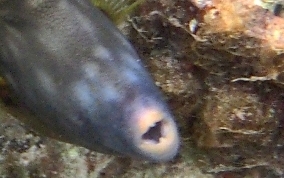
[{"x": 152, "y": 130}]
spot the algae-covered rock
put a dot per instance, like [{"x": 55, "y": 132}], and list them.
[
  {"x": 234, "y": 115},
  {"x": 233, "y": 53}
]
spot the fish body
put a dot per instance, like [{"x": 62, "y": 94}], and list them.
[{"x": 72, "y": 69}]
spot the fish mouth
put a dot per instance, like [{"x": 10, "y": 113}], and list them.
[{"x": 156, "y": 135}]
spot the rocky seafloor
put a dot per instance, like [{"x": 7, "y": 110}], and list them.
[{"x": 220, "y": 65}]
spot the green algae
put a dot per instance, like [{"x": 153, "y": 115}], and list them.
[{"x": 117, "y": 10}]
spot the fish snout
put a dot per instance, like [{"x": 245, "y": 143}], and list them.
[{"x": 155, "y": 133}]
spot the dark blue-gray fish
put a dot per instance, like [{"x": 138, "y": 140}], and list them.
[{"x": 72, "y": 69}]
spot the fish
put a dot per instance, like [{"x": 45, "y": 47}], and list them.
[{"x": 80, "y": 80}]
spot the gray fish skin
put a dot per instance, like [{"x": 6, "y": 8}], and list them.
[{"x": 70, "y": 67}]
